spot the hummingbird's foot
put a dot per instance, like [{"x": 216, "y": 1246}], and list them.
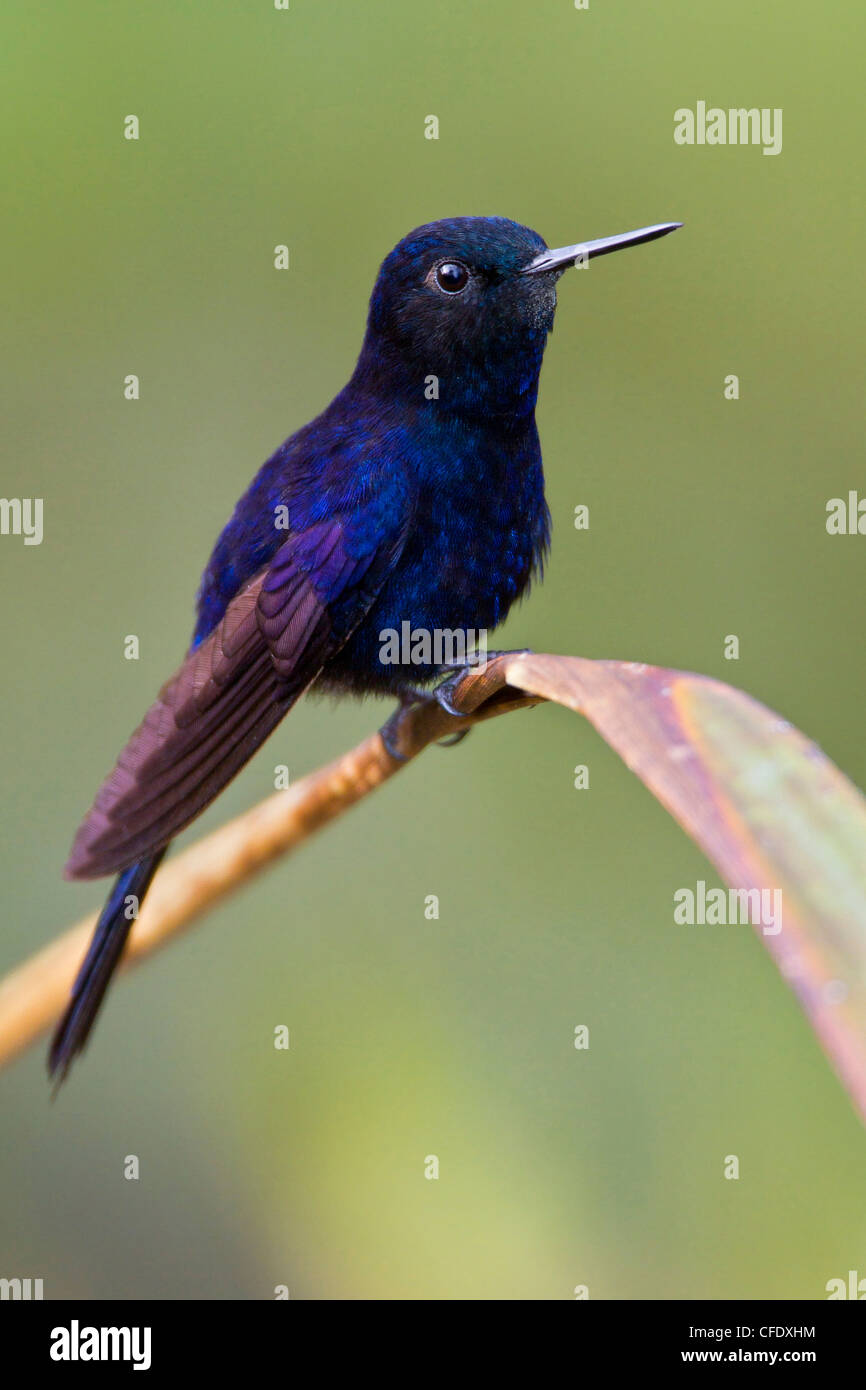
[
  {"x": 445, "y": 689},
  {"x": 390, "y": 730},
  {"x": 442, "y": 696}
]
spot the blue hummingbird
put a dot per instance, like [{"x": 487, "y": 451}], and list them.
[{"x": 417, "y": 496}]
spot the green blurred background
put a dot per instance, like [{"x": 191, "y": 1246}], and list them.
[{"x": 411, "y": 1037}]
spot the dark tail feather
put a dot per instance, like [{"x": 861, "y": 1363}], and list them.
[{"x": 105, "y": 951}]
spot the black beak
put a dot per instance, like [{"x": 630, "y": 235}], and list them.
[{"x": 565, "y": 256}]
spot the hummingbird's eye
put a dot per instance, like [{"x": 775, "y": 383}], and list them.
[{"x": 452, "y": 277}]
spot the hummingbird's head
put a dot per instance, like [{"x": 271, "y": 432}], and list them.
[{"x": 470, "y": 301}]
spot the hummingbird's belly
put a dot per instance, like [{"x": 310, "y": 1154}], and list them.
[{"x": 443, "y": 601}]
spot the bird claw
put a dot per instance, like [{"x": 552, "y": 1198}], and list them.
[
  {"x": 442, "y": 693},
  {"x": 445, "y": 689},
  {"x": 453, "y": 739},
  {"x": 442, "y": 696},
  {"x": 387, "y": 734},
  {"x": 390, "y": 730}
]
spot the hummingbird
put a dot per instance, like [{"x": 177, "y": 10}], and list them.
[{"x": 417, "y": 496}]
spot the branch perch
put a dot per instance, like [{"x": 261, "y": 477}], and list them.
[{"x": 778, "y": 821}]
